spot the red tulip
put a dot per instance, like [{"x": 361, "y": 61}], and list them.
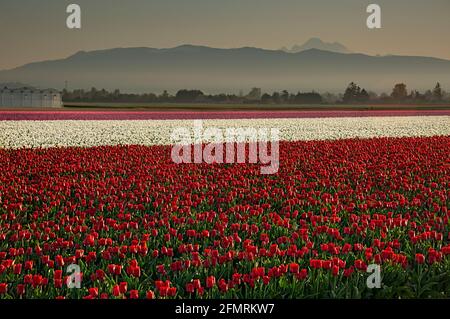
[
  {"x": 58, "y": 283},
  {"x": 29, "y": 265},
  {"x": 93, "y": 292},
  {"x": 28, "y": 279},
  {"x": 112, "y": 269},
  {"x": 360, "y": 265},
  {"x": 223, "y": 286},
  {"x": 3, "y": 288},
  {"x": 37, "y": 280},
  {"x": 163, "y": 291},
  {"x": 123, "y": 287},
  {"x": 327, "y": 264},
  {"x": 190, "y": 288},
  {"x": 134, "y": 294},
  {"x": 20, "y": 289},
  {"x": 59, "y": 260},
  {"x": 150, "y": 295},
  {"x": 348, "y": 272},
  {"x": 58, "y": 274},
  {"x": 17, "y": 269},
  {"x": 161, "y": 269},
  {"x": 172, "y": 292},
  {"x": 303, "y": 274},
  {"x": 100, "y": 274},
  {"x": 116, "y": 291},
  {"x": 197, "y": 284},
  {"x": 210, "y": 282},
  {"x": 79, "y": 253},
  {"x": 420, "y": 258},
  {"x": 294, "y": 268},
  {"x": 335, "y": 270},
  {"x": 89, "y": 240}
]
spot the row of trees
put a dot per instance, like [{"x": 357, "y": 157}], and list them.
[
  {"x": 191, "y": 96},
  {"x": 354, "y": 94},
  {"x": 182, "y": 96}
]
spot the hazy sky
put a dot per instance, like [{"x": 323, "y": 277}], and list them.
[{"x": 34, "y": 30}]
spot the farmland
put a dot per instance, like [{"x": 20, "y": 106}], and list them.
[
  {"x": 188, "y": 113},
  {"x": 104, "y": 194}
]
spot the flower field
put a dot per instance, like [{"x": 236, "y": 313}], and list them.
[
  {"x": 140, "y": 226},
  {"x": 87, "y": 133},
  {"x": 17, "y": 115}
]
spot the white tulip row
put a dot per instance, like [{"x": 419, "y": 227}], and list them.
[{"x": 18, "y": 134}]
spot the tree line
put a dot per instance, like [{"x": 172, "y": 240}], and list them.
[{"x": 353, "y": 94}]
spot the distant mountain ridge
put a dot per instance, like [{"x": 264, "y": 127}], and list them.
[
  {"x": 230, "y": 70},
  {"x": 316, "y": 43}
]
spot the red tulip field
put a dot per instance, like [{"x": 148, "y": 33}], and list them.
[{"x": 140, "y": 226}]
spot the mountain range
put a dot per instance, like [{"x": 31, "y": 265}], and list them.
[{"x": 217, "y": 70}]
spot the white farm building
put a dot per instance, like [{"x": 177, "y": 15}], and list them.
[{"x": 27, "y": 97}]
